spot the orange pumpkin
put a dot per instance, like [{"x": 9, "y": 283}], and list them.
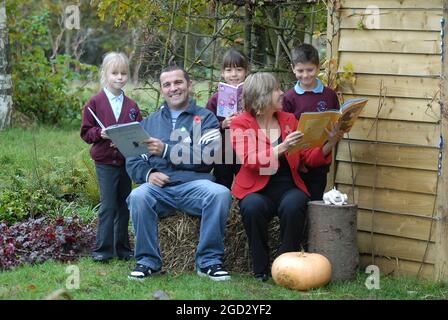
[{"x": 301, "y": 270}]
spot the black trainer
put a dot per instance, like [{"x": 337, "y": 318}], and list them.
[
  {"x": 214, "y": 272},
  {"x": 263, "y": 277},
  {"x": 141, "y": 271}
]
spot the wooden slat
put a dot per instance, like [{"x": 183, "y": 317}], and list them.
[
  {"x": 396, "y": 225},
  {"x": 411, "y": 42},
  {"x": 388, "y": 155},
  {"x": 416, "y": 133},
  {"x": 405, "y": 86},
  {"x": 441, "y": 267},
  {"x": 398, "y": 267},
  {"x": 390, "y": 246},
  {"x": 421, "y": 20},
  {"x": 420, "y": 110},
  {"x": 391, "y": 63},
  {"x": 333, "y": 32},
  {"x": 387, "y": 177},
  {"x": 400, "y": 202},
  {"x": 427, "y": 4}
]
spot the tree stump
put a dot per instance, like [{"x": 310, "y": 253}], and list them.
[{"x": 332, "y": 232}]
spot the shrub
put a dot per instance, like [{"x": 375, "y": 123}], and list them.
[
  {"x": 41, "y": 81},
  {"x": 39, "y": 240},
  {"x": 18, "y": 205}
]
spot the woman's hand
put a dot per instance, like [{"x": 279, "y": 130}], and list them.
[
  {"x": 290, "y": 141},
  {"x": 334, "y": 136},
  {"x": 227, "y": 121}
]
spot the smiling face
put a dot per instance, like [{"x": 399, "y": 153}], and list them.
[
  {"x": 234, "y": 75},
  {"x": 306, "y": 73},
  {"x": 175, "y": 89}
]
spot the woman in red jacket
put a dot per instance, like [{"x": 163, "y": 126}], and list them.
[{"x": 268, "y": 182}]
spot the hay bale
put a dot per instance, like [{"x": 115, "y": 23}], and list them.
[{"x": 179, "y": 236}]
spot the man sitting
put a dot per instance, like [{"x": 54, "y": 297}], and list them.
[{"x": 173, "y": 175}]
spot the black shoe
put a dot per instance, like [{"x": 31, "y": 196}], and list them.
[
  {"x": 100, "y": 258},
  {"x": 141, "y": 271},
  {"x": 263, "y": 277},
  {"x": 127, "y": 257},
  {"x": 214, "y": 272}
]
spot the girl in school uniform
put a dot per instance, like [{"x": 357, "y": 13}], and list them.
[{"x": 110, "y": 106}]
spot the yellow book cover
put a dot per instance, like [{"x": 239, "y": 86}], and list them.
[{"x": 313, "y": 124}]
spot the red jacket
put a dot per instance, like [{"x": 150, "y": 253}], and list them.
[
  {"x": 101, "y": 150},
  {"x": 254, "y": 151}
]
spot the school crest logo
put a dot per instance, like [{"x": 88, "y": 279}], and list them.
[{"x": 321, "y": 106}]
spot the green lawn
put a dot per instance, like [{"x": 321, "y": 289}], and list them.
[{"x": 109, "y": 281}]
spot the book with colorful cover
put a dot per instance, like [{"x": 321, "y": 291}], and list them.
[
  {"x": 230, "y": 99},
  {"x": 313, "y": 124}
]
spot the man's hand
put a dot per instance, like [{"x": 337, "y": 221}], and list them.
[
  {"x": 158, "y": 178},
  {"x": 155, "y": 146}
]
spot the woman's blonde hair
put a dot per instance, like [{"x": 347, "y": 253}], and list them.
[
  {"x": 111, "y": 60},
  {"x": 257, "y": 92}
]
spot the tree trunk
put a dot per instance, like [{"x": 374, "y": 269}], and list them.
[
  {"x": 248, "y": 16},
  {"x": 5, "y": 73},
  {"x": 332, "y": 232}
]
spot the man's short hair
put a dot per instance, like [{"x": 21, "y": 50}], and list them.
[
  {"x": 304, "y": 53},
  {"x": 257, "y": 92},
  {"x": 174, "y": 67}
]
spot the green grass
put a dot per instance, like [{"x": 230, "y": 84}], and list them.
[
  {"x": 109, "y": 281},
  {"x": 26, "y": 148}
]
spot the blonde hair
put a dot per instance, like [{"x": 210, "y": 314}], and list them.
[
  {"x": 257, "y": 92},
  {"x": 111, "y": 60}
]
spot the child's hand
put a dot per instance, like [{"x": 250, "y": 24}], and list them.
[
  {"x": 227, "y": 121},
  {"x": 104, "y": 134}
]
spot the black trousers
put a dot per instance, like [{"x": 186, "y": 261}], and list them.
[
  {"x": 224, "y": 174},
  {"x": 316, "y": 181},
  {"x": 257, "y": 209},
  {"x": 112, "y": 238}
]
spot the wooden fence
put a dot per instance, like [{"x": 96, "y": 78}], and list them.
[{"x": 393, "y": 161}]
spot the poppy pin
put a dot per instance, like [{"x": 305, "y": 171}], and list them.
[{"x": 197, "y": 119}]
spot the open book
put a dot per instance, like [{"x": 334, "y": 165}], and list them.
[
  {"x": 127, "y": 137},
  {"x": 230, "y": 99},
  {"x": 313, "y": 124}
]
